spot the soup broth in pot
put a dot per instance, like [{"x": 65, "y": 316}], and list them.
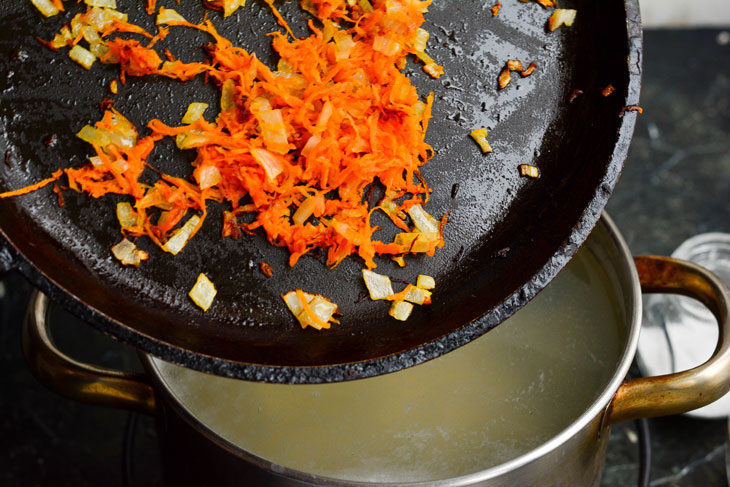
[{"x": 486, "y": 403}]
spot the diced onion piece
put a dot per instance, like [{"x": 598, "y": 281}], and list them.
[
  {"x": 529, "y": 171},
  {"x": 480, "y": 136},
  {"x": 504, "y": 78},
  {"x": 45, "y": 7},
  {"x": 514, "y": 65},
  {"x": 386, "y": 45},
  {"x": 561, "y": 16},
  {"x": 416, "y": 295},
  {"x": 82, "y": 56},
  {"x": 417, "y": 242},
  {"x": 194, "y": 112},
  {"x": 230, "y": 6},
  {"x": 400, "y": 310},
  {"x": 114, "y": 87},
  {"x": 208, "y": 176},
  {"x": 422, "y": 220},
  {"x": 433, "y": 70},
  {"x": 425, "y": 282},
  {"x": 366, "y": 6},
  {"x": 228, "y": 94},
  {"x": 180, "y": 238},
  {"x": 101, "y": 3},
  {"x": 322, "y": 308},
  {"x": 203, "y": 292},
  {"x": 343, "y": 45},
  {"x": 272, "y": 164},
  {"x": 419, "y": 43},
  {"x": 128, "y": 253},
  {"x": 304, "y": 211},
  {"x": 274, "y": 131},
  {"x": 126, "y": 215},
  {"x": 168, "y": 15},
  {"x": 62, "y": 38},
  {"x": 98, "y": 49},
  {"x": 379, "y": 286},
  {"x": 191, "y": 139},
  {"x": 311, "y": 144}
]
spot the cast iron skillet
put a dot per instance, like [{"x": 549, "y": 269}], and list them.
[{"x": 507, "y": 236}]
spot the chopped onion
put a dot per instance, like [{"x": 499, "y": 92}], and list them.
[
  {"x": 168, "y": 15},
  {"x": 274, "y": 131},
  {"x": 416, "y": 295},
  {"x": 230, "y": 6},
  {"x": 386, "y": 45},
  {"x": 191, "y": 139},
  {"x": 62, "y": 38},
  {"x": 504, "y": 79},
  {"x": 203, "y": 292},
  {"x": 194, "y": 112},
  {"x": 425, "y": 282},
  {"x": 419, "y": 43},
  {"x": 101, "y": 3},
  {"x": 82, "y": 56},
  {"x": 128, "y": 253},
  {"x": 228, "y": 94},
  {"x": 379, "y": 286},
  {"x": 529, "y": 171},
  {"x": 417, "y": 242},
  {"x": 126, "y": 215},
  {"x": 322, "y": 308},
  {"x": 180, "y": 238},
  {"x": 422, "y": 220},
  {"x": 561, "y": 16},
  {"x": 480, "y": 136},
  {"x": 434, "y": 70},
  {"x": 272, "y": 164},
  {"x": 45, "y": 7},
  {"x": 208, "y": 176},
  {"x": 400, "y": 310},
  {"x": 343, "y": 45}
]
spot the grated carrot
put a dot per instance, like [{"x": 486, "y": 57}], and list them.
[{"x": 335, "y": 118}]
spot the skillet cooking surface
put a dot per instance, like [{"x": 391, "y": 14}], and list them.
[{"x": 506, "y": 238}]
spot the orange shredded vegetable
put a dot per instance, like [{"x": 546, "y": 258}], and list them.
[{"x": 306, "y": 139}]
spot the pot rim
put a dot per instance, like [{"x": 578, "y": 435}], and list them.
[{"x": 634, "y": 308}]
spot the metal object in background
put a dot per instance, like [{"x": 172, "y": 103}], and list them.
[
  {"x": 578, "y": 451},
  {"x": 678, "y": 332},
  {"x": 506, "y": 239}
]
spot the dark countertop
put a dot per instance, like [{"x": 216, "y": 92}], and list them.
[{"x": 676, "y": 184}]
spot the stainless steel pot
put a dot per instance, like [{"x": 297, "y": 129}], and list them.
[{"x": 196, "y": 454}]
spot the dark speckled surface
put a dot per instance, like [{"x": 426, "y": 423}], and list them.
[{"x": 676, "y": 183}]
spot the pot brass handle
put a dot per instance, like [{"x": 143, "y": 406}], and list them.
[
  {"x": 682, "y": 391},
  {"x": 75, "y": 380}
]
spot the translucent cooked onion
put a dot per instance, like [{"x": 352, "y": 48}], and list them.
[
  {"x": 273, "y": 166},
  {"x": 400, "y": 310},
  {"x": 126, "y": 215},
  {"x": 480, "y": 137},
  {"x": 561, "y": 16},
  {"x": 321, "y": 309},
  {"x": 194, "y": 112},
  {"x": 101, "y": 3},
  {"x": 45, "y": 7},
  {"x": 180, "y": 238},
  {"x": 168, "y": 15},
  {"x": 424, "y": 222},
  {"x": 203, "y": 292},
  {"x": 128, "y": 253},
  {"x": 82, "y": 56},
  {"x": 425, "y": 282},
  {"x": 379, "y": 286}
]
